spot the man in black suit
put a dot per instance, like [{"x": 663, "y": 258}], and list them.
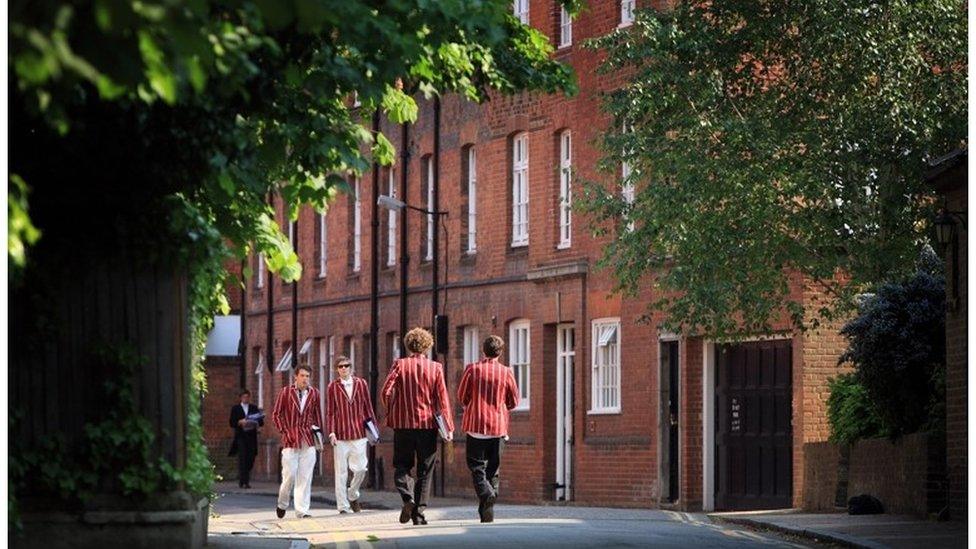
[{"x": 245, "y": 445}]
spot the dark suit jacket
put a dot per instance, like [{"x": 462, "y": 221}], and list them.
[{"x": 248, "y": 440}]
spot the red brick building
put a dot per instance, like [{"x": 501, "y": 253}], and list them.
[{"x": 614, "y": 411}]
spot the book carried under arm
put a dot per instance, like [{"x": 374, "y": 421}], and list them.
[
  {"x": 318, "y": 438},
  {"x": 251, "y": 421},
  {"x": 372, "y": 433},
  {"x": 441, "y": 426}
]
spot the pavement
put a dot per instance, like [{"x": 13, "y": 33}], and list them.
[
  {"x": 245, "y": 519},
  {"x": 862, "y": 531}
]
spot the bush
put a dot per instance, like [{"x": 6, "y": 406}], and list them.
[
  {"x": 850, "y": 412},
  {"x": 897, "y": 346}
]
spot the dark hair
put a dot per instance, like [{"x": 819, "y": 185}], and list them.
[
  {"x": 493, "y": 346},
  {"x": 303, "y": 367},
  {"x": 340, "y": 360},
  {"x": 243, "y": 392}
]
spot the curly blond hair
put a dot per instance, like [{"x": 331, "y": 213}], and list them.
[{"x": 418, "y": 340}]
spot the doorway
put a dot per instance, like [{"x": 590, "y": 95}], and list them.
[{"x": 669, "y": 420}]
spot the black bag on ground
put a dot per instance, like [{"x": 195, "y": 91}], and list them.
[{"x": 864, "y": 505}]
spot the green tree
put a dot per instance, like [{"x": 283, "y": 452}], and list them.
[{"x": 774, "y": 138}]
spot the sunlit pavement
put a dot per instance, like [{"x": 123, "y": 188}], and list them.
[{"x": 250, "y": 518}]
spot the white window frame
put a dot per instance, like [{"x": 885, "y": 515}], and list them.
[
  {"x": 565, "y": 28},
  {"x": 352, "y": 353},
  {"x": 323, "y": 245},
  {"x": 291, "y": 232},
  {"x": 605, "y": 370},
  {"x": 520, "y": 359},
  {"x": 395, "y": 346},
  {"x": 565, "y": 190},
  {"x": 472, "y": 202},
  {"x": 284, "y": 364},
  {"x": 391, "y": 221},
  {"x": 331, "y": 357},
  {"x": 429, "y": 252},
  {"x": 324, "y": 378},
  {"x": 627, "y": 8},
  {"x": 627, "y": 190},
  {"x": 260, "y": 280},
  {"x": 521, "y": 10},
  {"x": 262, "y": 365},
  {"x": 471, "y": 347},
  {"x": 520, "y": 190},
  {"x": 357, "y": 230}
]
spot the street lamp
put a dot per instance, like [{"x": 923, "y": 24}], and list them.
[{"x": 945, "y": 234}]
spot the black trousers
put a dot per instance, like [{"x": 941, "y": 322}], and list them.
[
  {"x": 484, "y": 456},
  {"x": 414, "y": 446},
  {"x": 245, "y": 462}
]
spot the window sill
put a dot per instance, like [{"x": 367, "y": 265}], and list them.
[
  {"x": 353, "y": 275},
  {"x": 625, "y": 25},
  {"x": 520, "y": 408},
  {"x": 564, "y": 246},
  {"x": 604, "y": 412}
]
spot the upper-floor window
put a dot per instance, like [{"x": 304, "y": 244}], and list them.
[
  {"x": 565, "y": 189},
  {"x": 519, "y": 358},
  {"x": 469, "y": 189},
  {"x": 605, "y": 380},
  {"x": 521, "y": 9},
  {"x": 261, "y": 366},
  {"x": 355, "y": 255},
  {"x": 322, "y": 247},
  {"x": 627, "y": 190},
  {"x": 627, "y": 12},
  {"x": 520, "y": 190},
  {"x": 259, "y": 270},
  {"x": 428, "y": 189},
  {"x": 565, "y": 27},
  {"x": 391, "y": 222}
]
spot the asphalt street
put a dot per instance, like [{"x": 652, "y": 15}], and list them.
[{"x": 246, "y": 520}]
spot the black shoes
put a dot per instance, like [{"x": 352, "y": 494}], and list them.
[
  {"x": 280, "y": 511},
  {"x": 486, "y": 509},
  {"x": 301, "y": 516},
  {"x": 355, "y": 506},
  {"x": 406, "y": 512},
  {"x": 247, "y": 486},
  {"x": 419, "y": 520}
]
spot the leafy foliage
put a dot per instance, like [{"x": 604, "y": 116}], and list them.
[
  {"x": 772, "y": 138},
  {"x": 21, "y": 232},
  {"x": 257, "y": 93},
  {"x": 851, "y": 413},
  {"x": 897, "y": 346}
]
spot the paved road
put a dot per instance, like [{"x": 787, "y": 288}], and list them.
[{"x": 250, "y": 518}]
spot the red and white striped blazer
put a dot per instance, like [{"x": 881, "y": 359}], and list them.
[
  {"x": 413, "y": 392},
  {"x": 344, "y": 415},
  {"x": 487, "y": 392},
  {"x": 295, "y": 425}
]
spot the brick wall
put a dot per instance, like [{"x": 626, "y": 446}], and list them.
[
  {"x": 954, "y": 186},
  {"x": 907, "y": 476},
  {"x": 222, "y": 390}
]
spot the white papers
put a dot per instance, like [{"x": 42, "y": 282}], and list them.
[
  {"x": 441, "y": 426},
  {"x": 372, "y": 433}
]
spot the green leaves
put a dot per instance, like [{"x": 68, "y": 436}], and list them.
[
  {"x": 399, "y": 107},
  {"x": 383, "y": 151},
  {"x": 21, "y": 232},
  {"x": 776, "y": 148}
]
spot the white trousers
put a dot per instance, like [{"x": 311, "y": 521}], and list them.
[
  {"x": 349, "y": 455},
  {"x": 296, "y": 472}
]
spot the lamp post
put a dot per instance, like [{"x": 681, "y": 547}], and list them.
[{"x": 948, "y": 238}]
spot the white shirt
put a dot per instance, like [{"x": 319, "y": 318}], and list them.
[
  {"x": 347, "y": 385},
  {"x": 244, "y": 406},
  {"x": 302, "y": 397}
]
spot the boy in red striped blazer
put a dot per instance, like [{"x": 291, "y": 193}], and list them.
[
  {"x": 487, "y": 391},
  {"x": 414, "y": 392},
  {"x": 348, "y": 408},
  {"x": 296, "y": 410}
]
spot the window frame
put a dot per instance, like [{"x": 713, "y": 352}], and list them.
[
  {"x": 429, "y": 173},
  {"x": 391, "y": 221},
  {"x": 472, "y": 202},
  {"x": 522, "y": 370},
  {"x": 627, "y": 8},
  {"x": 470, "y": 348},
  {"x": 604, "y": 398},
  {"x": 520, "y": 190},
  {"x": 323, "y": 245},
  {"x": 521, "y": 14},
  {"x": 565, "y": 28},
  {"x": 357, "y": 228},
  {"x": 565, "y": 190}
]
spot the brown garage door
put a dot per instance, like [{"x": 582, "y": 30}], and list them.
[{"x": 753, "y": 437}]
